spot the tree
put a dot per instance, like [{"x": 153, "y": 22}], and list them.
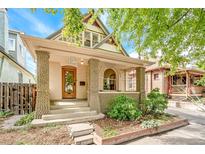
[{"x": 177, "y": 34}]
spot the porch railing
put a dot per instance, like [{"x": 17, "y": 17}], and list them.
[{"x": 178, "y": 89}]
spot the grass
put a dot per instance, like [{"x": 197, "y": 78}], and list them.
[
  {"x": 25, "y": 119},
  {"x": 4, "y": 114}
]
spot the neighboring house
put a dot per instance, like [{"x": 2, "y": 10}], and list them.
[
  {"x": 13, "y": 64},
  {"x": 182, "y": 84},
  {"x": 96, "y": 70}
]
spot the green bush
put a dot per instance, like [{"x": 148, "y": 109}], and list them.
[
  {"x": 4, "y": 114},
  {"x": 25, "y": 119},
  {"x": 155, "y": 103},
  {"x": 123, "y": 108}
]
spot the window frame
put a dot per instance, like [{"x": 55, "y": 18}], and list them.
[
  {"x": 154, "y": 76},
  {"x": 88, "y": 39},
  {"x": 13, "y": 48}
]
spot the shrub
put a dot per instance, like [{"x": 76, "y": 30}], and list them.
[
  {"x": 4, "y": 114},
  {"x": 150, "y": 123},
  {"x": 123, "y": 108},
  {"x": 25, "y": 119},
  {"x": 155, "y": 103}
]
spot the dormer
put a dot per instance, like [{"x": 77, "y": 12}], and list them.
[{"x": 95, "y": 36}]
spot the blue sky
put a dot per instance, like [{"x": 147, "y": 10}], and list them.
[{"x": 41, "y": 24}]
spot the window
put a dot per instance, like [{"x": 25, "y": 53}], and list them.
[
  {"x": 109, "y": 81},
  {"x": 156, "y": 76},
  {"x": 87, "y": 39},
  {"x": 20, "y": 77},
  {"x": 131, "y": 80},
  {"x": 12, "y": 44},
  {"x": 95, "y": 39},
  {"x": 20, "y": 49}
]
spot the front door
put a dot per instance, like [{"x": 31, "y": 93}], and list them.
[{"x": 68, "y": 82}]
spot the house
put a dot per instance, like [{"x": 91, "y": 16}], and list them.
[
  {"x": 181, "y": 84},
  {"x": 95, "y": 71},
  {"x": 12, "y": 54}
]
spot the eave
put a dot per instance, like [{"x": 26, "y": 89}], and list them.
[{"x": 59, "y": 47}]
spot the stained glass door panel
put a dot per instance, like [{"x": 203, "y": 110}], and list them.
[{"x": 68, "y": 82}]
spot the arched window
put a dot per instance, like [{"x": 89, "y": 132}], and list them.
[{"x": 109, "y": 82}]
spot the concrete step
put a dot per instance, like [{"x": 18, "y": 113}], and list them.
[
  {"x": 84, "y": 140},
  {"x": 61, "y": 105},
  {"x": 80, "y": 129},
  {"x": 41, "y": 122},
  {"x": 69, "y": 102},
  {"x": 68, "y": 115},
  {"x": 69, "y": 110}
]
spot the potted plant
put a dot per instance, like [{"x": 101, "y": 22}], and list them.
[{"x": 198, "y": 87}]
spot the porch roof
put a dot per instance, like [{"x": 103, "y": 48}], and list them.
[{"x": 64, "y": 48}]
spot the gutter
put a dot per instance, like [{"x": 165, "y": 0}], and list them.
[{"x": 1, "y": 66}]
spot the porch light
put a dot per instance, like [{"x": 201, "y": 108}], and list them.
[{"x": 82, "y": 62}]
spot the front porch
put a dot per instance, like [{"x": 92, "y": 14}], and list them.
[
  {"x": 95, "y": 75},
  {"x": 183, "y": 84}
]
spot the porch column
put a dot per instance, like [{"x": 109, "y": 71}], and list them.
[
  {"x": 140, "y": 81},
  {"x": 187, "y": 84},
  {"x": 93, "y": 96},
  {"x": 42, "y": 99}
]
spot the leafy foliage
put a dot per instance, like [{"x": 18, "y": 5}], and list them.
[
  {"x": 4, "y": 114},
  {"x": 155, "y": 103},
  {"x": 200, "y": 82},
  {"x": 150, "y": 123},
  {"x": 176, "y": 33},
  {"x": 123, "y": 108},
  {"x": 25, "y": 119}
]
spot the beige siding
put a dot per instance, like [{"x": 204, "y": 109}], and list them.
[
  {"x": 161, "y": 83},
  {"x": 148, "y": 82},
  {"x": 110, "y": 47},
  {"x": 55, "y": 80}
]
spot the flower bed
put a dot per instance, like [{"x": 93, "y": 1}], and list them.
[{"x": 109, "y": 131}]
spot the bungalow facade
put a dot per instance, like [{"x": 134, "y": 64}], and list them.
[
  {"x": 95, "y": 70},
  {"x": 181, "y": 84}
]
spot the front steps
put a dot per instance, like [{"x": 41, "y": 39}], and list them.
[
  {"x": 82, "y": 133},
  {"x": 68, "y": 112}
]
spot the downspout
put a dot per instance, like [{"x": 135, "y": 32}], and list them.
[{"x": 1, "y": 66}]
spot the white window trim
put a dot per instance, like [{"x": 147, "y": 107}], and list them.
[{"x": 14, "y": 44}]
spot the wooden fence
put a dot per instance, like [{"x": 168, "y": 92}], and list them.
[{"x": 17, "y": 97}]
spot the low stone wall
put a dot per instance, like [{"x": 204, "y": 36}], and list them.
[{"x": 105, "y": 97}]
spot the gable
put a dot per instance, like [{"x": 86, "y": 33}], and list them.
[{"x": 98, "y": 34}]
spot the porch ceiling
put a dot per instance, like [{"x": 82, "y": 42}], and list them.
[{"x": 62, "y": 48}]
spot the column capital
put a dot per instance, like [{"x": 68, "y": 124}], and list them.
[{"x": 41, "y": 52}]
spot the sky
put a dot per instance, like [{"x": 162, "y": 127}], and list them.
[{"x": 41, "y": 24}]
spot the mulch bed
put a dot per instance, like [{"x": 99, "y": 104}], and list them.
[
  {"x": 121, "y": 127},
  {"x": 50, "y": 135}
]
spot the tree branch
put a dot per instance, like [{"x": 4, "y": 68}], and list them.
[{"x": 179, "y": 19}]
